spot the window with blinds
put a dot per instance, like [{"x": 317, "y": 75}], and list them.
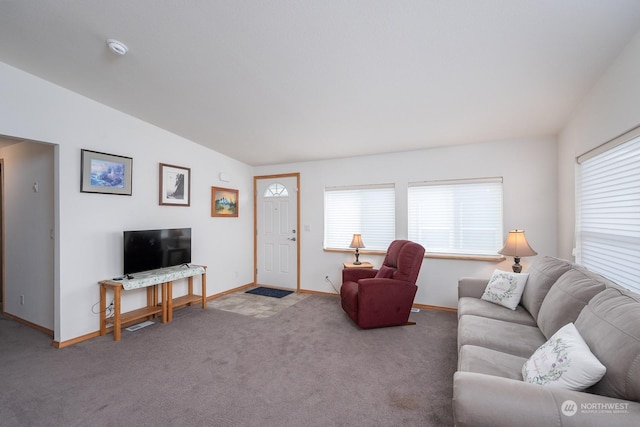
[
  {"x": 367, "y": 210},
  {"x": 460, "y": 217},
  {"x": 608, "y": 210}
]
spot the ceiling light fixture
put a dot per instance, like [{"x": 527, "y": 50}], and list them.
[{"x": 117, "y": 47}]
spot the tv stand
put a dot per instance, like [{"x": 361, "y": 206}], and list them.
[{"x": 150, "y": 280}]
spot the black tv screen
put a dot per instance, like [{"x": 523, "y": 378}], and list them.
[{"x": 152, "y": 249}]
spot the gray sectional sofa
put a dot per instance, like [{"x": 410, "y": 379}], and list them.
[{"x": 494, "y": 343}]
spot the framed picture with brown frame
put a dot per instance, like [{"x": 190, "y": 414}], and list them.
[
  {"x": 224, "y": 202},
  {"x": 175, "y": 185},
  {"x": 105, "y": 173}
]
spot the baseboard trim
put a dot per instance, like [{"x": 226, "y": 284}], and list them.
[
  {"x": 32, "y": 325},
  {"x": 306, "y": 291},
  {"x": 436, "y": 308},
  {"x": 76, "y": 340},
  {"x": 230, "y": 291},
  {"x": 420, "y": 306}
]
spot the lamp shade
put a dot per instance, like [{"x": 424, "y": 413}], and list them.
[
  {"x": 517, "y": 245},
  {"x": 356, "y": 242}
]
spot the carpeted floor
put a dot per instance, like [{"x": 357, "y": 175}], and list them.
[{"x": 307, "y": 365}]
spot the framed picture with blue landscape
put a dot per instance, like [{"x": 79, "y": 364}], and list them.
[
  {"x": 224, "y": 202},
  {"x": 105, "y": 173}
]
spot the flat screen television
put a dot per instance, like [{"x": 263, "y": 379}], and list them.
[{"x": 152, "y": 249}]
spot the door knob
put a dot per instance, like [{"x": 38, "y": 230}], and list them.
[{"x": 293, "y": 239}]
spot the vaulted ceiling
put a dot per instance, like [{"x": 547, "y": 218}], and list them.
[{"x": 269, "y": 82}]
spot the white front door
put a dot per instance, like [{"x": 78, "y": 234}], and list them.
[{"x": 277, "y": 234}]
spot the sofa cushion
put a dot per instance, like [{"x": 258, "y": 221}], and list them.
[
  {"x": 564, "y": 361},
  {"x": 564, "y": 301},
  {"x": 478, "y": 307},
  {"x": 490, "y": 362},
  {"x": 542, "y": 275},
  {"x": 505, "y": 288},
  {"x": 507, "y": 337},
  {"x": 609, "y": 326}
]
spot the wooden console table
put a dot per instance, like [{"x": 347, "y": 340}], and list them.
[{"x": 150, "y": 280}]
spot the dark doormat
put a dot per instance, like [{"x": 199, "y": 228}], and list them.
[{"x": 269, "y": 292}]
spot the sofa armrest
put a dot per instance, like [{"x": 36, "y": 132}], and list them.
[
  {"x": 483, "y": 400},
  {"x": 471, "y": 287}
]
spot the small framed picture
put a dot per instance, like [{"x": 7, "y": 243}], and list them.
[
  {"x": 175, "y": 185},
  {"x": 105, "y": 173},
  {"x": 224, "y": 202}
]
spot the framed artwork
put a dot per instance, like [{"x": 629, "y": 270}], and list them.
[
  {"x": 175, "y": 185},
  {"x": 105, "y": 173},
  {"x": 224, "y": 202}
]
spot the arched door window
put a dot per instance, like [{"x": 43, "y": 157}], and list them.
[{"x": 276, "y": 190}]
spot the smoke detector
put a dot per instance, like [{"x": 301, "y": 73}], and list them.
[{"x": 117, "y": 47}]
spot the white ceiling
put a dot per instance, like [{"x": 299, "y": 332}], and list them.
[{"x": 280, "y": 81}]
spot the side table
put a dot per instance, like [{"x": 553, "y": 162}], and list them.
[{"x": 352, "y": 265}]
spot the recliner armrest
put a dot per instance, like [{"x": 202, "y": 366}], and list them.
[
  {"x": 355, "y": 274},
  {"x": 384, "y": 282}
]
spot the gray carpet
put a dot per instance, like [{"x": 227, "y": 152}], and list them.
[{"x": 308, "y": 365}]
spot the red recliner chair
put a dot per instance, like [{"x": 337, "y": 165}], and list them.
[{"x": 377, "y": 298}]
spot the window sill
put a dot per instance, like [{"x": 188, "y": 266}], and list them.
[{"x": 496, "y": 258}]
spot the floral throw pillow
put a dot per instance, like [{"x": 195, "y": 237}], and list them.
[
  {"x": 505, "y": 288},
  {"x": 564, "y": 361}
]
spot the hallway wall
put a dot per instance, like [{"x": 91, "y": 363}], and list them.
[{"x": 29, "y": 226}]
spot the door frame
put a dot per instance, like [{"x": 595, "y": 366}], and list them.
[
  {"x": 2, "y": 278},
  {"x": 255, "y": 223}
]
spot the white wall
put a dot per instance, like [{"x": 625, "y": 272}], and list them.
[
  {"x": 89, "y": 226},
  {"x": 611, "y": 108},
  {"x": 529, "y": 171},
  {"x": 29, "y": 222}
]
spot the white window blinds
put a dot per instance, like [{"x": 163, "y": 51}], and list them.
[
  {"x": 367, "y": 210},
  {"x": 608, "y": 212},
  {"x": 462, "y": 217}
]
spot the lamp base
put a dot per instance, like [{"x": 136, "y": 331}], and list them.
[
  {"x": 517, "y": 268},
  {"x": 357, "y": 262}
]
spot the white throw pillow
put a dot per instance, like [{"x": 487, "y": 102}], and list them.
[
  {"x": 564, "y": 361},
  {"x": 505, "y": 288}
]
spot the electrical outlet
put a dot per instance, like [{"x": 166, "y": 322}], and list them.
[
  {"x": 21, "y": 299},
  {"x": 326, "y": 278}
]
